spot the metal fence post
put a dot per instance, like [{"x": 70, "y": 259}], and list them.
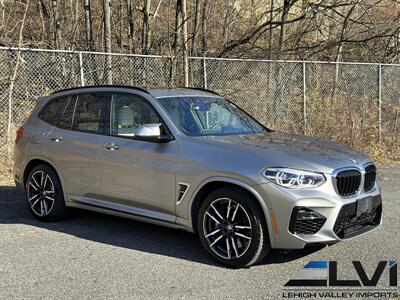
[
  {"x": 304, "y": 98},
  {"x": 81, "y": 68},
  {"x": 380, "y": 102},
  {"x": 204, "y": 73}
]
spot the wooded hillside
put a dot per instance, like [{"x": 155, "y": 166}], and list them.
[{"x": 342, "y": 30}]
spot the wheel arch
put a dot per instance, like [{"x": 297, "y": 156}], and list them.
[
  {"x": 34, "y": 161},
  {"x": 212, "y": 184}
]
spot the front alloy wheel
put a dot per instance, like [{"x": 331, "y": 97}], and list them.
[
  {"x": 232, "y": 228},
  {"x": 227, "y": 228}
]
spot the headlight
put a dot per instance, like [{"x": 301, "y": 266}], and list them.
[{"x": 295, "y": 179}]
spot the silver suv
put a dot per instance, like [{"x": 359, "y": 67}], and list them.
[{"x": 189, "y": 159}]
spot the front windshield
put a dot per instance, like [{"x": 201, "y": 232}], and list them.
[{"x": 209, "y": 116}]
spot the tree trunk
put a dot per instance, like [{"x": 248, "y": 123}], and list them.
[
  {"x": 2, "y": 12},
  {"x": 279, "y": 107},
  {"x": 343, "y": 34},
  {"x": 150, "y": 32},
  {"x": 131, "y": 27},
  {"x": 204, "y": 27},
  {"x": 178, "y": 25},
  {"x": 177, "y": 39},
  {"x": 76, "y": 22},
  {"x": 282, "y": 35},
  {"x": 195, "y": 27},
  {"x": 146, "y": 26},
  {"x": 41, "y": 10},
  {"x": 88, "y": 21},
  {"x": 271, "y": 17},
  {"x": 226, "y": 22},
  {"x": 56, "y": 25},
  {"x": 253, "y": 11},
  {"x": 120, "y": 26},
  {"x": 107, "y": 38},
  {"x": 13, "y": 78},
  {"x": 184, "y": 44}
]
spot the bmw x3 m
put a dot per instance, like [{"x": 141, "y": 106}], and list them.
[{"x": 189, "y": 159}]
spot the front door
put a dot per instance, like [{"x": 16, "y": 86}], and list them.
[{"x": 137, "y": 176}]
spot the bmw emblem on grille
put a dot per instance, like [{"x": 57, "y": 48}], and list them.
[{"x": 354, "y": 161}]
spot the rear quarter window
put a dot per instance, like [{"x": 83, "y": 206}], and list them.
[
  {"x": 59, "y": 112},
  {"x": 52, "y": 111}
]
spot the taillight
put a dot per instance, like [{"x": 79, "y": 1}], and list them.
[{"x": 20, "y": 133}]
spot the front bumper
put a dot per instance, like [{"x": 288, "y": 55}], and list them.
[{"x": 340, "y": 213}]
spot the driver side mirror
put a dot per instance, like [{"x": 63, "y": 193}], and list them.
[{"x": 153, "y": 132}]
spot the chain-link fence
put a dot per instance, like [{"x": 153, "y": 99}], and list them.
[{"x": 354, "y": 103}]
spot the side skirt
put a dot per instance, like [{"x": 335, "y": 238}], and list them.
[{"x": 126, "y": 212}]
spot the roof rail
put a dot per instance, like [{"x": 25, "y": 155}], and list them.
[
  {"x": 200, "y": 89},
  {"x": 103, "y": 85}
]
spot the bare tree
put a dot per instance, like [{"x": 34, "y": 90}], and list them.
[
  {"x": 270, "y": 38},
  {"x": 184, "y": 44},
  {"x": 287, "y": 4},
  {"x": 146, "y": 26},
  {"x": 44, "y": 15},
  {"x": 88, "y": 23},
  {"x": 342, "y": 39},
  {"x": 195, "y": 27},
  {"x": 343, "y": 32},
  {"x": 286, "y": 29},
  {"x": 107, "y": 38},
  {"x": 177, "y": 38},
  {"x": 204, "y": 26},
  {"x": 14, "y": 76},
  {"x": 56, "y": 24},
  {"x": 75, "y": 27},
  {"x": 131, "y": 26},
  {"x": 120, "y": 36},
  {"x": 2, "y": 12}
]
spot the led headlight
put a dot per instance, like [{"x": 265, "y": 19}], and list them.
[{"x": 295, "y": 179}]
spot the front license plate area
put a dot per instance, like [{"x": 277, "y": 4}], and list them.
[{"x": 365, "y": 205}]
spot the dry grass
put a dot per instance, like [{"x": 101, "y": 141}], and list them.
[
  {"x": 5, "y": 173},
  {"x": 355, "y": 124}
]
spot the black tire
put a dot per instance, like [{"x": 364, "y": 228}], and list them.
[
  {"x": 254, "y": 249},
  {"x": 52, "y": 210}
]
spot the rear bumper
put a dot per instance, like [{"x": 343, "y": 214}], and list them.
[
  {"x": 19, "y": 165},
  {"x": 338, "y": 222}
]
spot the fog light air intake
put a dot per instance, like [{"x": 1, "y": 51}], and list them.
[{"x": 305, "y": 221}]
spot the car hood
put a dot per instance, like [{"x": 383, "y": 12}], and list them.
[{"x": 292, "y": 151}]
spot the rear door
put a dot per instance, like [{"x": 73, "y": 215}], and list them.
[
  {"x": 75, "y": 141},
  {"x": 137, "y": 176}
]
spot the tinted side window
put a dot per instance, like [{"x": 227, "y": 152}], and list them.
[
  {"x": 129, "y": 112},
  {"x": 66, "y": 114},
  {"x": 91, "y": 113},
  {"x": 51, "y": 112}
]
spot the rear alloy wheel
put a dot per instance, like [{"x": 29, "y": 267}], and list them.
[
  {"x": 44, "y": 194},
  {"x": 232, "y": 228},
  {"x": 41, "y": 193}
]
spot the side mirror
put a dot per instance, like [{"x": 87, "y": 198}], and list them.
[{"x": 153, "y": 132}]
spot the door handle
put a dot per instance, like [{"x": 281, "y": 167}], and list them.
[
  {"x": 112, "y": 146},
  {"x": 56, "y": 139}
]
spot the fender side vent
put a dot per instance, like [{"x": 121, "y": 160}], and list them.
[{"x": 183, "y": 188}]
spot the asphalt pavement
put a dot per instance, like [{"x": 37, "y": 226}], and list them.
[{"x": 95, "y": 256}]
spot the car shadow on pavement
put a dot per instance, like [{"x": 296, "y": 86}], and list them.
[{"x": 125, "y": 233}]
